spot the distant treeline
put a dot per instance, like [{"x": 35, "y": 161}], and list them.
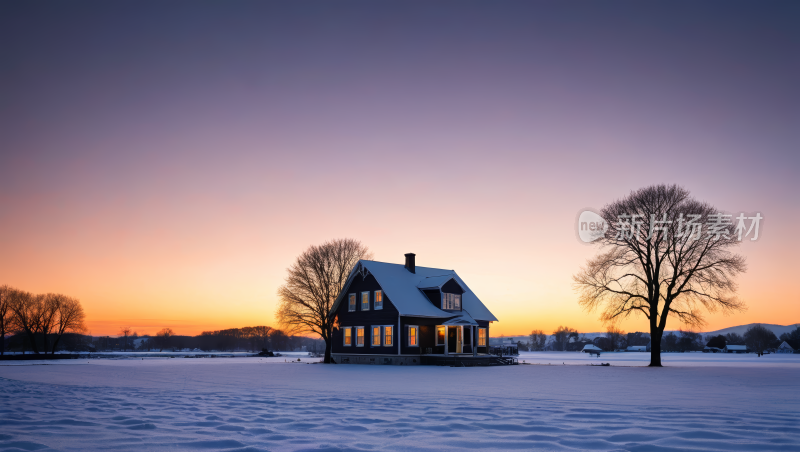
[{"x": 248, "y": 339}]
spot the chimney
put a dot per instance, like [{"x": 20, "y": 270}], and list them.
[{"x": 410, "y": 266}]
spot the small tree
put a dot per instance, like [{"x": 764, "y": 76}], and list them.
[
  {"x": 163, "y": 338},
  {"x": 5, "y": 316},
  {"x": 538, "y": 340},
  {"x": 733, "y": 339},
  {"x": 663, "y": 253},
  {"x": 562, "y": 335},
  {"x": 125, "y": 331},
  {"x": 758, "y": 338},
  {"x": 616, "y": 337},
  {"x": 717, "y": 341},
  {"x": 314, "y": 281}
]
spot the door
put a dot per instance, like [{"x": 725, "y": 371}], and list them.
[{"x": 452, "y": 339}]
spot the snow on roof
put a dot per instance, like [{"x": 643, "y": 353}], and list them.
[
  {"x": 401, "y": 287},
  {"x": 591, "y": 347},
  {"x": 637, "y": 347},
  {"x": 435, "y": 282},
  {"x": 735, "y": 347},
  {"x": 463, "y": 319}
]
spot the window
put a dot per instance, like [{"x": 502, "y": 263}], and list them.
[
  {"x": 348, "y": 337},
  {"x": 365, "y": 301},
  {"x": 413, "y": 336},
  {"x": 451, "y": 301},
  {"x": 378, "y": 299},
  {"x": 352, "y": 305},
  {"x": 376, "y": 336},
  {"x": 481, "y": 337},
  {"x": 359, "y": 336},
  {"x": 387, "y": 336},
  {"x": 440, "y": 333}
]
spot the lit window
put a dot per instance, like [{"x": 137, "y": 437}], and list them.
[
  {"x": 413, "y": 336},
  {"x": 365, "y": 301},
  {"x": 378, "y": 299},
  {"x": 387, "y": 336},
  {"x": 451, "y": 301},
  {"x": 440, "y": 332},
  {"x": 376, "y": 336},
  {"x": 352, "y": 306},
  {"x": 481, "y": 337},
  {"x": 359, "y": 336},
  {"x": 348, "y": 337}
]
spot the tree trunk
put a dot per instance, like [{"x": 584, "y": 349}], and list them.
[
  {"x": 328, "y": 346},
  {"x": 655, "y": 348},
  {"x": 55, "y": 343}
]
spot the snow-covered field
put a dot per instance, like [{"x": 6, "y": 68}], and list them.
[{"x": 700, "y": 402}]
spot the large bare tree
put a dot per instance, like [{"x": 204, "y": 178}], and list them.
[
  {"x": 25, "y": 314},
  {"x": 69, "y": 317},
  {"x": 663, "y": 253},
  {"x": 313, "y": 283}
]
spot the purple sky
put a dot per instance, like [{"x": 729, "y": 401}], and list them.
[{"x": 161, "y": 158}]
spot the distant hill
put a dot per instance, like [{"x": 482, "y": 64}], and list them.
[{"x": 740, "y": 330}]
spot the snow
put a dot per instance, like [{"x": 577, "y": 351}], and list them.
[{"x": 701, "y": 401}]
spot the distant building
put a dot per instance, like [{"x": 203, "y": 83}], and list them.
[
  {"x": 789, "y": 347},
  {"x": 735, "y": 349},
  {"x": 591, "y": 348},
  {"x": 708, "y": 349},
  {"x": 636, "y": 348}
]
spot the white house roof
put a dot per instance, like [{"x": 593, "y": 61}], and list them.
[
  {"x": 435, "y": 282},
  {"x": 463, "y": 319},
  {"x": 591, "y": 347},
  {"x": 785, "y": 346},
  {"x": 736, "y": 347},
  {"x": 400, "y": 286}
]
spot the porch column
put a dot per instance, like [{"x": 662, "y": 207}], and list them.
[
  {"x": 446, "y": 337},
  {"x": 473, "y": 330}
]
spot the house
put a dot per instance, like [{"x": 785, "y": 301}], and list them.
[
  {"x": 591, "y": 348},
  {"x": 404, "y": 314},
  {"x": 788, "y": 347},
  {"x": 735, "y": 349},
  {"x": 708, "y": 349},
  {"x": 636, "y": 348}
]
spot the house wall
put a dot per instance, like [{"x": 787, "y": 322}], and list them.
[{"x": 386, "y": 316}]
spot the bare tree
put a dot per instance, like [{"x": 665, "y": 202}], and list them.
[
  {"x": 538, "y": 340},
  {"x": 25, "y": 313},
  {"x": 313, "y": 283},
  {"x": 663, "y": 253},
  {"x": 758, "y": 338},
  {"x": 6, "y": 326},
  {"x": 125, "y": 331},
  {"x": 616, "y": 336},
  {"x": 562, "y": 335},
  {"x": 69, "y": 317},
  {"x": 163, "y": 338}
]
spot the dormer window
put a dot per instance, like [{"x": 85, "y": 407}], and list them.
[{"x": 451, "y": 301}]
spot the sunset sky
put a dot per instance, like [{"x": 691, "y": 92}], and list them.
[{"x": 164, "y": 162}]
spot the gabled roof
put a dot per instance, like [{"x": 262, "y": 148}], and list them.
[
  {"x": 400, "y": 286},
  {"x": 435, "y": 282}
]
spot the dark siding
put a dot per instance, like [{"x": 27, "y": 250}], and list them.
[
  {"x": 435, "y": 296},
  {"x": 427, "y": 334},
  {"x": 452, "y": 287},
  {"x": 386, "y": 316},
  {"x": 483, "y": 324}
]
